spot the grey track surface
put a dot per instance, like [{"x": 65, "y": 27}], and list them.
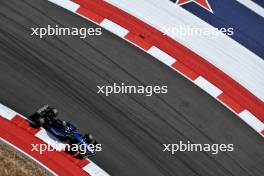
[{"x": 64, "y": 72}]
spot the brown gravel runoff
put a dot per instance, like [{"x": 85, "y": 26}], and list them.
[{"x": 13, "y": 163}]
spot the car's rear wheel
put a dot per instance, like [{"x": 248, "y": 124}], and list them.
[
  {"x": 40, "y": 121},
  {"x": 54, "y": 112}
]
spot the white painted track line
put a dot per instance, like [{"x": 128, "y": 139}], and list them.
[
  {"x": 161, "y": 56},
  {"x": 250, "y": 119},
  {"x": 7, "y": 113},
  {"x": 114, "y": 28},
  {"x": 94, "y": 170},
  {"x": 207, "y": 86},
  {"x": 67, "y": 4}
]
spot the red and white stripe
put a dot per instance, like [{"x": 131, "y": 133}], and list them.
[
  {"x": 16, "y": 131},
  {"x": 158, "y": 47},
  {"x": 222, "y": 52}
]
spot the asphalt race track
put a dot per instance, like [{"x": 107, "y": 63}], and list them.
[{"x": 64, "y": 72}]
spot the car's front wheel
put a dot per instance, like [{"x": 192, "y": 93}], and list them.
[
  {"x": 82, "y": 156},
  {"x": 67, "y": 140}
]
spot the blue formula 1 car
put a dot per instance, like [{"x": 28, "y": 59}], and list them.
[{"x": 65, "y": 131}]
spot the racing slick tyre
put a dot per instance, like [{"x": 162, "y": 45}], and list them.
[
  {"x": 67, "y": 140},
  {"x": 82, "y": 156},
  {"x": 90, "y": 139},
  {"x": 40, "y": 121},
  {"x": 48, "y": 111},
  {"x": 55, "y": 112}
]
